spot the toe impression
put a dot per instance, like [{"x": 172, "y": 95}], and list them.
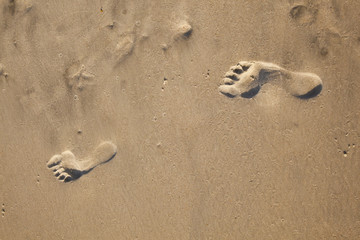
[{"x": 229, "y": 90}]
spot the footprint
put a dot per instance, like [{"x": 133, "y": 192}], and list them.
[
  {"x": 80, "y": 79},
  {"x": 22, "y": 6},
  {"x": 3, "y": 210},
  {"x": 183, "y": 31},
  {"x": 303, "y": 14},
  {"x": 67, "y": 167},
  {"x": 3, "y": 75},
  {"x": 246, "y": 78},
  {"x": 125, "y": 46},
  {"x": 2, "y": 71}
]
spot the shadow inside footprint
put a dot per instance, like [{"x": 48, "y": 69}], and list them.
[
  {"x": 228, "y": 95},
  {"x": 313, "y": 93},
  {"x": 75, "y": 174},
  {"x": 251, "y": 93},
  {"x": 90, "y": 169}
]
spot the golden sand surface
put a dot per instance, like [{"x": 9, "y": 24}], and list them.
[{"x": 164, "y": 119}]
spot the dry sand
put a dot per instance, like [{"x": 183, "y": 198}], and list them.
[{"x": 122, "y": 100}]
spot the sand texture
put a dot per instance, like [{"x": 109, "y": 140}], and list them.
[{"x": 164, "y": 119}]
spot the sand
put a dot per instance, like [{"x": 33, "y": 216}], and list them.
[{"x": 231, "y": 119}]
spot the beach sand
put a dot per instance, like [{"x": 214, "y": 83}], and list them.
[{"x": 130, "y": 119}]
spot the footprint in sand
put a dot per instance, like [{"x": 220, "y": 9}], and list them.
[
  {"x": 67, "y": 167},
  {"x": 2, "y": 72},
  {"x": 304, "y": 15},
  {"x": 182, "y": 31},
  {"x": 3, "y": 77},
  {"x": 80, "y": 79},
  {"x": 246, "y": 78},
  {"x": 125, "y": 45}
]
